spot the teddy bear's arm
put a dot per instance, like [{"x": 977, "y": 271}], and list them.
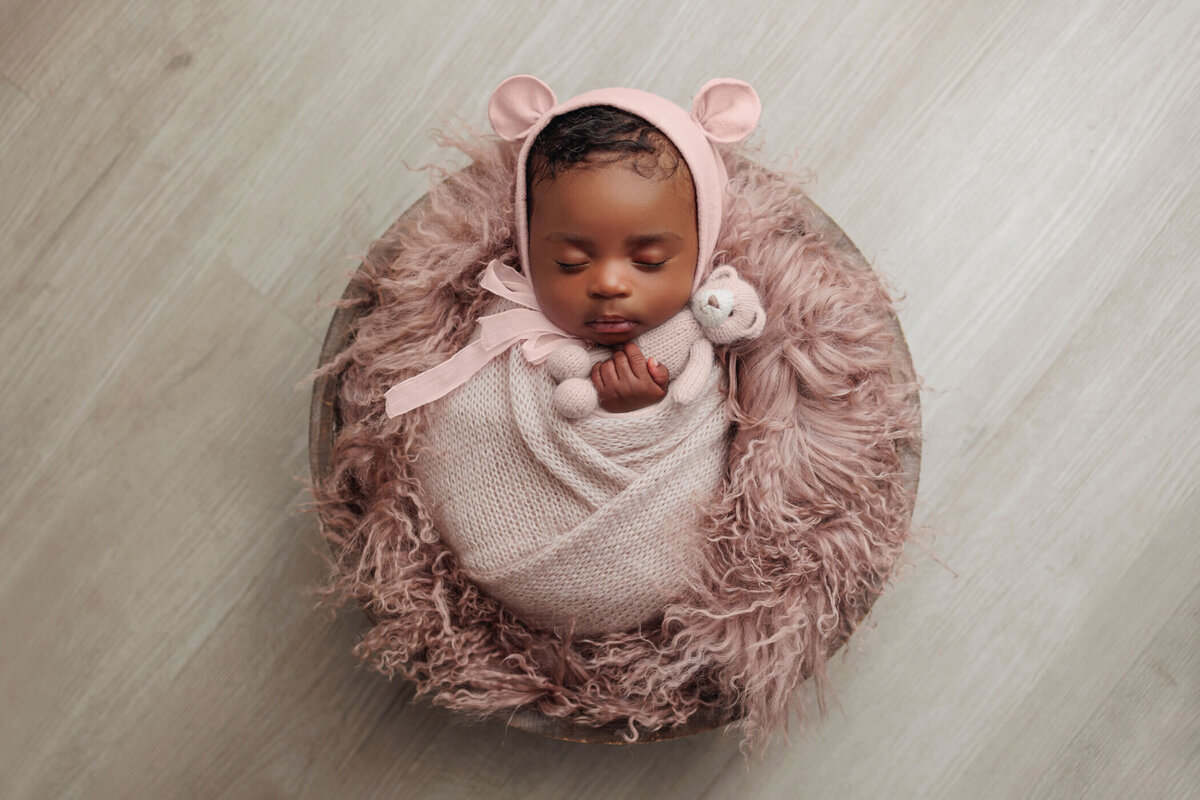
[{"x": 575, "y": 396}]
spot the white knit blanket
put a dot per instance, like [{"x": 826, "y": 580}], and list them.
[{"x": 586, "y": 524}]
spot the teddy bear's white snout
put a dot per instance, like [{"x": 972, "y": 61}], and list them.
[{"x": 712, "y": 306}]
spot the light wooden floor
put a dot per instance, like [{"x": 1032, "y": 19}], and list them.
[{"x": 180, "y": 183}]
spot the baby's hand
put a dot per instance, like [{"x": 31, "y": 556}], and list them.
[{"x": 627, "y": 382}]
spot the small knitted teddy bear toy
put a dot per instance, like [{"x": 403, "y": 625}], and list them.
[{"x": 724, "y": 310}]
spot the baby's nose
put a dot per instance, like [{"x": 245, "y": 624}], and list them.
[{"x": 609, "y": 280}]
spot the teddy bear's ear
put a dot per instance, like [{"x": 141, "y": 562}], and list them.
[
  {"x": 727, "y": 109},
  {"x": 517, "y": 105}
]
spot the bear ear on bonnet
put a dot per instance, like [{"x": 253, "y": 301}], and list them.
[
  {"x": 517, "y": 105},
  {"x": 726, "y": 109}
]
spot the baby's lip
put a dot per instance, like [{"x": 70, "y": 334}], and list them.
[{"x": 612, "y": 324}]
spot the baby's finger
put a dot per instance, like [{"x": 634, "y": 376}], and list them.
[
  {"x": 637, "y": 361},
  {"x": 608, "y": 373},
  {"x": 603, "y": 379},
  {"x": 621, "y": 365},
  {"x": 660, "y": 374}
]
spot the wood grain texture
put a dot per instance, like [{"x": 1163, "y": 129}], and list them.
[
  {"x": 181, "y": 184},
  {"x": 41, "y": 41}
]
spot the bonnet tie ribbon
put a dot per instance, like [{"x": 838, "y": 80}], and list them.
[{"x": 538, "y": 337}]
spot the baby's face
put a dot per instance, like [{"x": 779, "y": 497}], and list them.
[{"x": 612, "y": 253}]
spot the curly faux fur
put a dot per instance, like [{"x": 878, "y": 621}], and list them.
[{"x": 812, "y": 519}]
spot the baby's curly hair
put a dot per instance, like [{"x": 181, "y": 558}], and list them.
[{"x": 600, "y": 135}]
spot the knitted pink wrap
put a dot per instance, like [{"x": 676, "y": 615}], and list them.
[
  {"x": 575, "y": 524},
  {"x": 807, "y": 528}
]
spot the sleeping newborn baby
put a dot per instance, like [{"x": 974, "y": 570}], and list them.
[{"x": 576, "y": 438}]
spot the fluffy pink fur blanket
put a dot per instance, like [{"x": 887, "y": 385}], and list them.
[{"x": 811, "y": 521}]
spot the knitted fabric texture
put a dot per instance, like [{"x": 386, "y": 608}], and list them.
[
  {"x": 807, "y": 528},
  {"x": 586, "y": 525}
]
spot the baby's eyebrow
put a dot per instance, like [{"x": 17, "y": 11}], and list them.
[
  {"x": 652, "y": 238},
  {"x": 562, "y": 236}
]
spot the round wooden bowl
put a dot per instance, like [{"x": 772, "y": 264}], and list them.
[{"x": 324, "y": 421}]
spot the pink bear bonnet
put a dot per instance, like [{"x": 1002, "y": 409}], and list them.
[{"x": 725, "y": 110}]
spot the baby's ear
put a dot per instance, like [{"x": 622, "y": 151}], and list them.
[
  {"x": 727, "y": 109},
  {"x": 517, "y": 104}
]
